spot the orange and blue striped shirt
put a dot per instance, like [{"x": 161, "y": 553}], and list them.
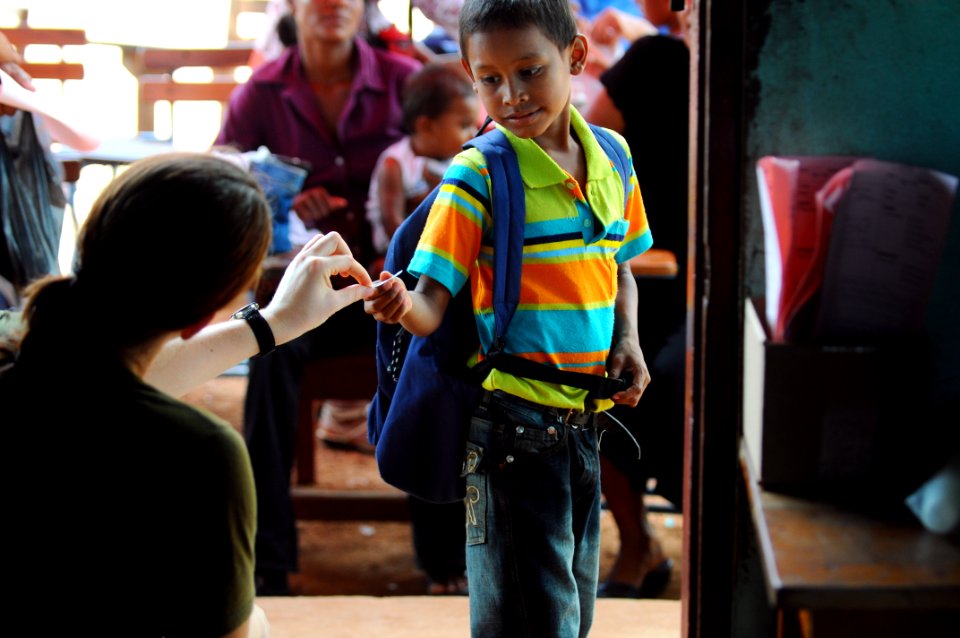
[{"x": 573, "y": 243}]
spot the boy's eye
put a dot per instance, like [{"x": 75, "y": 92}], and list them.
[
  {"x": 489, "y": 80},
  {"x": 530, "y": 72}
]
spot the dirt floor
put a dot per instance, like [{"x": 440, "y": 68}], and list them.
[{"x": 376, "y": 558}]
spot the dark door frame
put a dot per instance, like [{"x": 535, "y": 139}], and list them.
[{"x": 713, "y": 371}]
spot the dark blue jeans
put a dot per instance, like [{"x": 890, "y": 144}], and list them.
[{"x": 533, "y": 520}]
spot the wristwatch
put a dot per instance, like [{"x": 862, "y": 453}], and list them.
[{"x": 261, "y": 329}]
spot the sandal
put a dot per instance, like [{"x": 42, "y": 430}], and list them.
[
  {"x": 343, "y": 424},
  {"x": 453, "y": 586},
  {"x": 654, "y": 583}
]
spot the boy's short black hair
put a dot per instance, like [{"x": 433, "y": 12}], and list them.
[
  {"x": 553, "y": 17},
  {"x": 431, "y": 90}
]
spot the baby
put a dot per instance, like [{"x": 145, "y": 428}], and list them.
[{"x": 440, "y": 114}]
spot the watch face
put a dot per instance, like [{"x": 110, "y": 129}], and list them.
[{"x": 246, "y": 311}]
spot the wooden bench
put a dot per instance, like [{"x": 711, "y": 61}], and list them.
[
  {"x": 344, "y": 377},
  {"x": 23, "y": 37},
  {"x": 835, "y": 570}
]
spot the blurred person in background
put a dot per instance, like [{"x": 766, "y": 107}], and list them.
[
  {"x": 333, "y": 101},
  {"x": 645, "y": 97}
]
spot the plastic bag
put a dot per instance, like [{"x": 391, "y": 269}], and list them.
[
  {"x": 31, "y": 204},
  {"x": 281, "y": 179}
]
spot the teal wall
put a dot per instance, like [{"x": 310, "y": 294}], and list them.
[{"x": 877, "y": 78}]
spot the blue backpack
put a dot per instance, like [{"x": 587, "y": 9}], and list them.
[{"x": 426, "y": 394}]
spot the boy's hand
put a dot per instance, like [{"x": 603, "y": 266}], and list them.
[
  {"x": 390, "y": 301},
  {"x": 628, "y": 358}
]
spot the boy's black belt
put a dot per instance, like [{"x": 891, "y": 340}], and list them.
[
  {"x": 568, "y": 416},
  {"x": 599, "y": 387}
]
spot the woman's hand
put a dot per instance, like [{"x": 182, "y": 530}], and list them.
[
  {"x": 315, "y": 204},
  {"x": 305, "y": 297}
]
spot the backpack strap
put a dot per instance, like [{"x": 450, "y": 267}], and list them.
[
  {"x": 508, "y": 200},
  {"x": 615, "y": 152}
]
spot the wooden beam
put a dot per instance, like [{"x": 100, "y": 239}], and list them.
[
  {"x": 165, "y": 60},
  {"x": 54, "y": 71},
  {"x": 311, "y": 503},
  {"x": 22, "y": 36},
  {"x": 155, "y": 88}
]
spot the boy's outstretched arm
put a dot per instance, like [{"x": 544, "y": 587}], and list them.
[
  {"x": 626, "y": 356},
  {"x": 419, "y": 311}
]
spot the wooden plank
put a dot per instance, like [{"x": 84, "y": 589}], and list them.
[
  {"x": 824, "y": 556},
  {"x": 656, "y": 263},
  {"x": 155, "y": 88},
  {"x": 169, "y": 59},
  {"x": 54, "y": 71},
  {"x": 22, "y": 36}
]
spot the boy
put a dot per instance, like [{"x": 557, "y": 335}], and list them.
[{"x": 533, "y": 492}]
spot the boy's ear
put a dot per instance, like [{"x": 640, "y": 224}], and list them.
[
  {"x": 578, "y": 54},
  {"x": 466, "y": 67}
]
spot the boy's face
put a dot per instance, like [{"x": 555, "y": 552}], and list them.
[{"x": 522, "y": 78}]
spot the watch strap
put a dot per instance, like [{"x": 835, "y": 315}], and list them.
[{"x": 261, "y": 329}]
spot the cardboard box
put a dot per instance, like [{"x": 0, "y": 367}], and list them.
[{"x": 833, "y": 418}]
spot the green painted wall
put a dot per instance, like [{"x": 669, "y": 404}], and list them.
[{"x": 877, "y": 78}]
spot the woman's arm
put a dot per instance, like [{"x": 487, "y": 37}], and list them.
[{"x": 304, "y": 299}]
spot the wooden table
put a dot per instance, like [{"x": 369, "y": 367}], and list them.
[
  {"x": 830, "y": 570},
  {"x": 655, "y": 263}
]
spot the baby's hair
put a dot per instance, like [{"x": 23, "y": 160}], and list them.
[
  {"x": 553, "y": 17},
  {"x": 431, "y": 91}
]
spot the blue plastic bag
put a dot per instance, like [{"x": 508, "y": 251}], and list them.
[{"x": 281, "y": 179}]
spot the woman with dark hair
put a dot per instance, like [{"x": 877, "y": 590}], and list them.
[{"x": 156, "y": 496}]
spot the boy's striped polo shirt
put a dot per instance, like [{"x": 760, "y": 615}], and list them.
[{"x": 573, "y": 244}]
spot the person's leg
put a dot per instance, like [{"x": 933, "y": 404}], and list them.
[
  {"x": 270, "y": 429},
  {"x": 533, "y": 510},
  {"x": 640, "y": 552},
  {"x": 438, "y": 542},
  {"x": 641, "y": 569}
]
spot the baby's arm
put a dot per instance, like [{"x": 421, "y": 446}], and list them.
[
  {"x": 393, "y": 201},
  {"x": 419, "y": 311},
  {"x": 626, "y": 356}
]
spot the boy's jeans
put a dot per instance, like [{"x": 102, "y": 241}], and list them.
[{"x": 533, "y": 520}]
